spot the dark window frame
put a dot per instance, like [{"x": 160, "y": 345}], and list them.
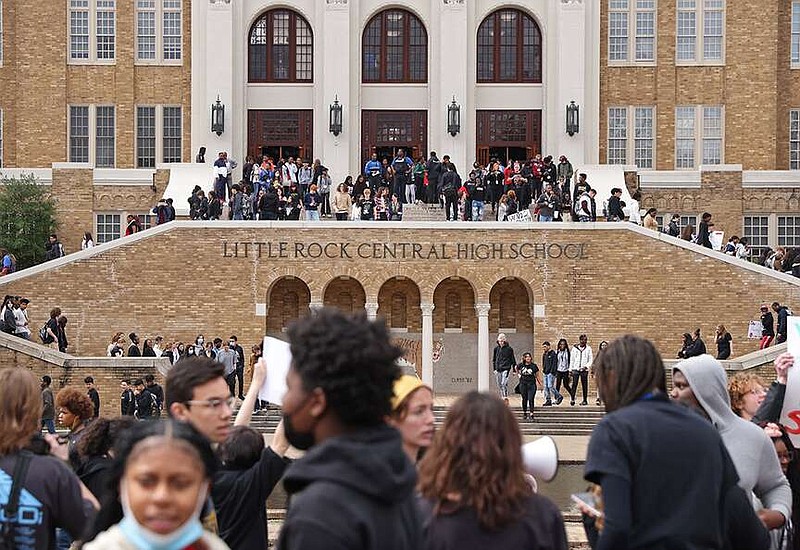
[
  {"x": 381, "y": 21},
  {"x": 494, "y": 48},
  {"x": 263, "y": 52}
]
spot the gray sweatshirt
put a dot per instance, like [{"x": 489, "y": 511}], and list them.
[
  {"x": 227, "y": 358},
  {"x": 750, "y": 448}
]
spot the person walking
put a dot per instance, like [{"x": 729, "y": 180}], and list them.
[
  {"x": 48, "y": 405},
  {"x": 580, "y": 362},
  {"x": 502, "y": 362},
  {"x": 529, "y": 377},
  {"x": 550, "y": 370}
]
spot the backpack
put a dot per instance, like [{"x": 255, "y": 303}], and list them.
[
  {"x": 44, "y": 336},
  {"x": 155, "y": 406}
]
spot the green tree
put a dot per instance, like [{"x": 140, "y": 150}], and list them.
[{"x": 27, "y": 218}]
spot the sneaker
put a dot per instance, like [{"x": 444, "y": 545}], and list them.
[
  {"x": 572, "y": 403},
  {"x": 241, "y": 397},
  {"x": 547, "y": 404},
  {"x": 524, "y": 416},
  {"x": 584, "y": 403},
  {"x": 598, "y": 402},
  {"x": 559, "y": 400}
]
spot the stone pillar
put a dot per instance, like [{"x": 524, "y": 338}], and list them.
[
  {"x": 484, "y": 365},
  {"x": 314, "y": 307},
  {"x": 372, "y": 310},
  {"x": 427, "y": 344}
]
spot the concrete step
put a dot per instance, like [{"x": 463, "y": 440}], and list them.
[{"x": 422, "y": 212}]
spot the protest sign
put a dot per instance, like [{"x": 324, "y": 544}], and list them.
[
  {"x": 790, "y": 415},
  {"x": 522, "y": 216},
  {"x": 278, "y": 357},
  {"x": 754, "y": 330}
]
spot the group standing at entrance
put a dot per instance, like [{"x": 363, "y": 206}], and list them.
[{"x": 565, "y": 365}]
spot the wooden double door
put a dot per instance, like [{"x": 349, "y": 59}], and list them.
[
  {"x": 280, "y": 134},
  {"x": 508, "y": 135},
  {"x": 385, "y": 132}
]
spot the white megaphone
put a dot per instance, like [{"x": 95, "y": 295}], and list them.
[{"x": 540, "y": 458}]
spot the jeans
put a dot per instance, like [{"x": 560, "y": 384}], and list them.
[
  {"x": 562, "y": 376},
  {"x": 231, "y": 381},
  {"x": 51, "y": 427},
  {"x": 502, "y": 382},
  {"x": 312, "y": 215},
  {"x": 550, "y": 388},
  {"x": 411, "y": 193},
  {"x": 477, "y": 211},
  {"x": 543, "y": 218},
  {"x": 325, "y": 203},
  {"x": 451, "y": 205},
  {"x": 528, "y": 391},
  {"x": 240, "y": 377},
  {"x": 583, "y": 376}
]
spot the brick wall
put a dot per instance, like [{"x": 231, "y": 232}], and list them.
[{"x": 177, "y": 283}]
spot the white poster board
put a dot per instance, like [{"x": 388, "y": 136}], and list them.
[
  {"x": 523, "y": 216},
  {"x": 790, "y": 415},
  {"x": 754, "y": 330},
  {"x": 278, "y": 357},
  {"x": 717, "y": 239}
]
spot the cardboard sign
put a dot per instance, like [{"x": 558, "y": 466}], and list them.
[
  {"x": 754, "y": 330},
  {"x": 716, "y": 238},
  {"x": 523, "y": 216},
  {"x": 790, "y": 415},
  {"x": 278, "y": 357}
]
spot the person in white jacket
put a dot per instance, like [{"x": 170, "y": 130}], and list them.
[{"x": 580, "y": 360}]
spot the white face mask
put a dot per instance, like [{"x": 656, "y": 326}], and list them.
[{"x": 145, "y": 539}]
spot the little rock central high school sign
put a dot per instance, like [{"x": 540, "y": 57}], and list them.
[{"x": 331, "y": 250}]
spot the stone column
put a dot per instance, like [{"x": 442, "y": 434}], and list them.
[
  {"x": 484, "y": 365},
  {"x": 427, "y": 344},
  {"x": 372, "y": 310},
  {"x": 314, "y": 307}
]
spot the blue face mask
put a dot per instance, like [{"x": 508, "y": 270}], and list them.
[{"x": 145, "y": 539}]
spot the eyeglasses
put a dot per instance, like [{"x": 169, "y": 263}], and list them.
[
  {"x": 214, "y": 404},
  {"x": 758, "y": 392}
]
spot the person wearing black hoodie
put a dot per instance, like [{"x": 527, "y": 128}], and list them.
[{"x": 354, "y": 488}]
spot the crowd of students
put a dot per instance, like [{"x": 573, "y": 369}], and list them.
[{"x": 673, "y": 473}]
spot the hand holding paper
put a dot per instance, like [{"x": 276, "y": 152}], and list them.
[{"x": 278, "y": 355}]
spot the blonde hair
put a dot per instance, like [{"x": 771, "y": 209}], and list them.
[
  {"x": 739, "y": 386},
  {"x": 20, "y": 408}
]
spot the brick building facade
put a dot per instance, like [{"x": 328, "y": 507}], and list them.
[{"x": 445, "y": 292}]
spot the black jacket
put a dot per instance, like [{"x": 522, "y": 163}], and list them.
[
  {"x": 353, "y": 492},
  {"x": 768, "y": 324},
  {"x": 434, "y": 168},
  {"x": 783, "y": 313},
  {"x": 550, "y": 362},
  {"x": 697, "y": 347},
  {"x": 615, "y": 209},
  {"x": 240, "y": 500},
  {"x": 127, "y": 403},
  {"x": 770, "y": 409},
  {"x": 503, "y": 358}
]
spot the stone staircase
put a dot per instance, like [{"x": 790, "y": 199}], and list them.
[
  {"x": 422, "y": 212},
  {"x": 561, "y": 420}
]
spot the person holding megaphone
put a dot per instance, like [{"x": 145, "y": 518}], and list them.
[{"x": 472, "y": 481}]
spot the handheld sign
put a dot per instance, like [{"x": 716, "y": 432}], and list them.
[
  {"x": 790, "y": 415},
  {"x": 278, "y": 357},
  {"x": 521, "y": 216}
]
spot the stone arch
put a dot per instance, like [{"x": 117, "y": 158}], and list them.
[
  {"x": 793, "y": 204},
  {"x": 345, "y": 293},
  {"x": 648, "y": 202},
  {"x": 459, "y": 294},
  {"x": 288, "y": 298},
  {"x": 511, "y": 300},
  {"x": 409, "y": 315},
  {"x": 780, "y": 204},
  {"x": 687, "y": 204}
]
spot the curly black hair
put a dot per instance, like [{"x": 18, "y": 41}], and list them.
[
  {"x": 99, "y": 436},
  {"x": 351, "y": 359}
]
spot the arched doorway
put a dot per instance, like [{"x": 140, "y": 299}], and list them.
[
  {"x": 346, "y": 294},
  {"x": 455, "y": 329},
  {"x": 399, "y": 305},
  {"x": 510, "y": 313},
  {"x": 287, "y": 301}
]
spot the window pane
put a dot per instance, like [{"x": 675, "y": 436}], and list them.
[
  {"x": 372, "y": 49},
  {"x": 645, "y": 36},
  {"x": 643, "y": 133},
  {"x": 794, "y": 139},
  {"x": 486, "y": 49},
  {"x": 172, "y": 134},
  {"x": 395, "y": 48},
  {"x": 79, "y": 134},
  {"x": 79, "y": 33},
  {"x": 617, "y": 135},
  {"x": 106, "y": 30},
  {"x": 687, "y": 35},
  {"x": 795, "y": 32},
  {"x": 712, "y": 35},
  {"x": 104, "y": 141},
  {"x": 684, "y": 134},
  {"x": 172, "y": 35},
  {"x": 303, "y": 51},
  {"x": 108, "y": 227},
  {"x": 531, "y": 51},
  {"x": 618, "y": 36},
  {"x": 146, "y": 137},
  {"x": 418, "y": 51},
  {"x": 146, "y": 35},
  {"x": 280, "y": 45},
  {"x": 789, "y": 231},
  {"x": 712, "y": 135},
  {"x": 394, "y": 37},
  {"x": 257, "y": 63},
  {"x": 756, "y": 231}
]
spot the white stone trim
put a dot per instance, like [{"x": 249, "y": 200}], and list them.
[
  {"x": 771, "y": 178},
  {"x": 44, "y": 175},
  {"x": 720, "y": 167},
  {"x": 410, "y": 227},
  {"x": 670, "y": 179},
  {"x": 123, "y": 176}
]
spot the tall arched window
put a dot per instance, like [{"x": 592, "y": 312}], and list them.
[
  {"x": 509, "y": 48},
  {"x": 395, "y": 48},
  {"x": 280, "y": 48}
]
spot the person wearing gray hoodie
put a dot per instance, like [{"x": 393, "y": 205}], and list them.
[{"x": 701, "y": 383}]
